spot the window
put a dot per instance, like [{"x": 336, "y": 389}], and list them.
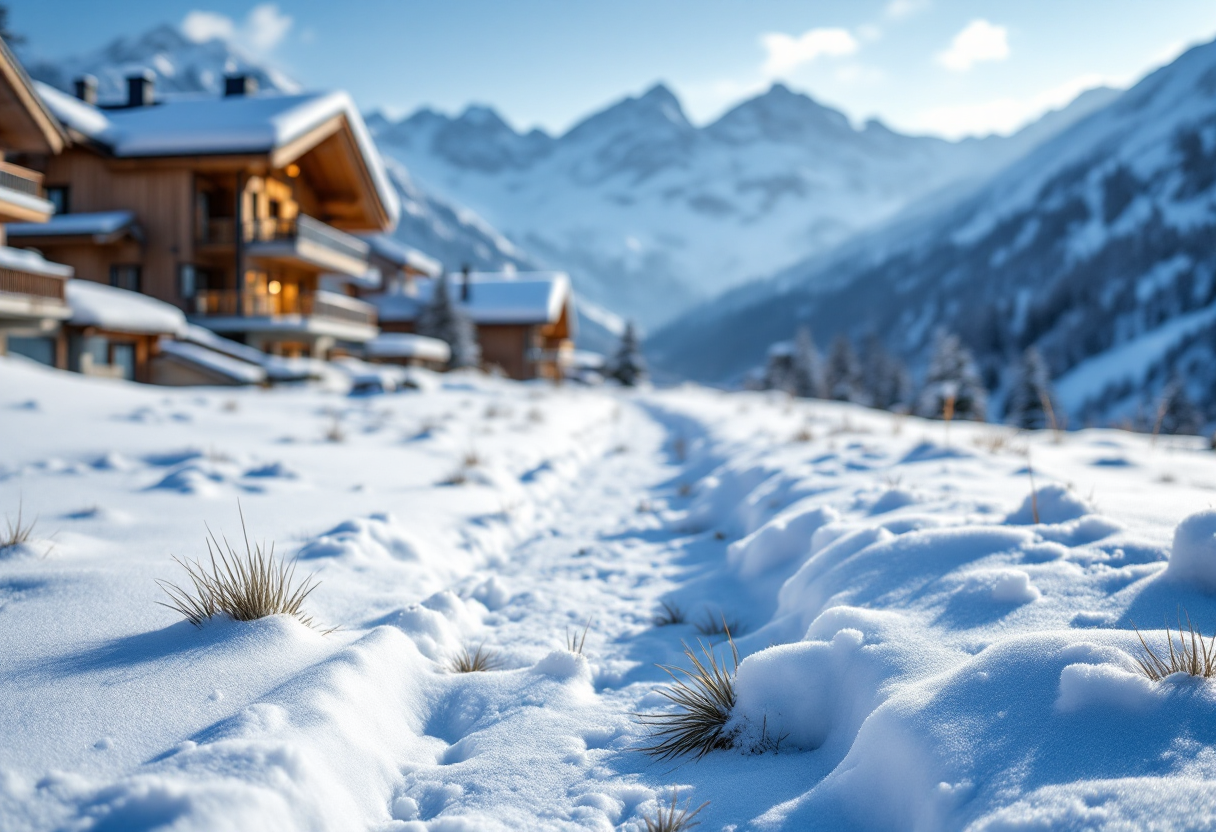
[
  {"x": 187, "y": 280},
  {"x": 123, "y": 356},
  {"x": 125, "y": 276},
  {"x": 57, "y": 195}
]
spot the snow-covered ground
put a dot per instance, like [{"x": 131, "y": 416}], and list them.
[{"x": 918, "y": 652}]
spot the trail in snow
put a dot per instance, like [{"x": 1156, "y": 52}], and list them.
[{"x": 934, "y": 657}]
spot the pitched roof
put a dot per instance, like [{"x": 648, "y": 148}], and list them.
[
  {"x": 190, "y": 125},
  {"x": 25, "y": 122},
  {"x": 498, "y": 298}
]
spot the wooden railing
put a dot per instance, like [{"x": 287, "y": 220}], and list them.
[
  {"x": 20, "y": 179},
  {"x": 327, "y": 305},
  {"x": 221, "y": 231},
  {"x": 35, "y": 285}
]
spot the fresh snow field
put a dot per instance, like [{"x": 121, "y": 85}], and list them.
[{"x": 917, "y": 652}]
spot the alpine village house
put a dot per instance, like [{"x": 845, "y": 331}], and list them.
[
  {"x": 32, "y": 291},
  {"x": 230, "y": 208},
  {"x": 205, "y": 231}
]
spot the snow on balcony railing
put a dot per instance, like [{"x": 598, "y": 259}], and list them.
[
  {"x": 23, "y": 180},
  {"x": 220, "y": 231},
  {"x": 228, "y": 302}
]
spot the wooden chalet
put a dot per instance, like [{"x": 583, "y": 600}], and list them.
[
  {"x": 526, "y": 322},
  {"x": 231, "y": 208},
  {"x": 32, "y": 290}
]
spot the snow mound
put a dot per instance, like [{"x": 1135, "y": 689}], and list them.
[
  {"x": 1193, "y": 557},
  {"x": 377, "y": 537},
  {"x": 562, "y": 664},
  {"x": 1055, "y": 504},
  {"x": 786, "y": 538},
  {"x": 795, "y": 690},
  {"x": 1104, "y": 686}
]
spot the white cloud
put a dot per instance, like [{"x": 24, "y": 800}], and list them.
[
  {"x": 264, "y": 28},
  {"x": 1005, "y": 115},
  {"x": 978, "y": 41},
  {"x": 200, "y": 26},
  {"x": 905, "y": 8},
  {"x": 786, "y": 52}
]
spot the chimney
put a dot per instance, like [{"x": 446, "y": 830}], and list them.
[
  {"x": 141, "y": 89},
  {"x": 240, "y": 85},
  {"x": 86, "y": 89},
  {"x": 465, "y": 288}
]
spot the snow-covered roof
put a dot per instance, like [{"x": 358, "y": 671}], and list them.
[
  {"x": 276, "y": 367},
  {"x": 202, "y": 125},
  {"x": 20, "y": 260},
  {"x": 403, "y": 255},
  {"x": 407, "y": 345},
  {"x": 106, "y": 307},
  {"x": 105, "y": 224},
  {"x": 216, "y": 362},
  {"x": 521, "y": 298}
]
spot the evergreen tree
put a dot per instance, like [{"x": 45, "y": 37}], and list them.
[
  {"x": 1031, "y": 404},
  {"x": 447, "y": 320},
  {"x": 885, "y": 382},
  {"x": 779, "y": 368},
  {"x": 952, "y": 376},
  {"x": 1177, "y": 413},
  {"x": 806, "y": 370},
  {"x": 844, "y": 372},
  {"x": 628, "y": 365},
  {"x": 894, "y": 389}
]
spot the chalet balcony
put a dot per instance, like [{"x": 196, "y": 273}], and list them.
[
  {"x": 307, "y": 314},
  {"x": 302, "y": 242},
  {"x": 32, "y": 291},
  {"x": 21, "y": 198}
]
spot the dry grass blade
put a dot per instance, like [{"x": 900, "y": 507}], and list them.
[
  {"x": 670, "y": 614},
  {"x": 710, "y": 626},
  {"x": 704, "y": 698},
  {"x": 245, "y": 586},
  {"x": 575, "y": 644},
  {"x": 676, "y": 818},
  {"x": 478, "y": 661},
  {"x": 17, "y": 532},
  {"x": 1192, "y": 656}
]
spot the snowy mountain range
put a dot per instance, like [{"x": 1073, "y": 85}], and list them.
[
  {"x": 652, "y": 213},
  {"x": 1099, "y": 248}
]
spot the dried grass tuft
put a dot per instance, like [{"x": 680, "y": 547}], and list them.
[
  {"x": 1192, "y": 656},
  {"x": 573, "y": 642},
  {"x": 671, "y": 614},
  {"x": 17, "y": 532},
  {"x": 478, "y": 661},
  {"x": 335, "y": 433},
  {"x": 674, "y": 818},
  {"x": 803, "y": 434},
  {"x": 704, "y": 698},
  {"x": 245, "y": 586},
  {"x": 721, "y": 625}
]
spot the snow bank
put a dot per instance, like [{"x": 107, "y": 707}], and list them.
[{"x": 1193, "y": 556}]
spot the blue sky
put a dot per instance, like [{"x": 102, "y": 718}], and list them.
[{"x": 949, "y": 67}]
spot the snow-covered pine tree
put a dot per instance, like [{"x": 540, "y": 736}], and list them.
[
  {"x": 806, "y": 371},
  {"x": 628, "y": 366},
  {"x": 884, "y": 377},
  {"x": 447, "y": 320},
  {"x": 844, "y": 373},
  {"x": 1177, "y": 413},
  {"x": 778, "y": 369},
  {"x": 1031, "y": 404},
  {"x": 952, "y": 376}
]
